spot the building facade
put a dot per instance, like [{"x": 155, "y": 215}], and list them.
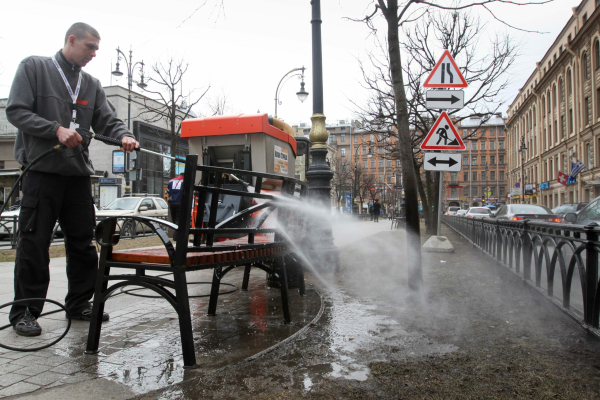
[
  {"x": 555, "y": 118},
  {"x": 483, "y": 178}
]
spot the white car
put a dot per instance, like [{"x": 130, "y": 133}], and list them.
[
  {"x": 155, "y": 207},
  {"x": 479, "y": 212}
]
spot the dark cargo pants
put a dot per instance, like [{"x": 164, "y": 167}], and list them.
[{"x": 46, "y": 199}]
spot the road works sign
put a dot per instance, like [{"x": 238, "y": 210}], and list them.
[
  {"x": 445, "y": 74},
  {"x": 442, "y": 162},
  {"x": 445, "y": 99},
  {"x": 443, "y": 136}
]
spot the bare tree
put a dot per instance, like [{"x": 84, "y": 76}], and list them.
[
  {"x": 396, "y": 15},
  {"x": 342, "y": 178},
  {"x": 459, "y": 32},
  {"x": 171, "y": 106},
  {"x": 219, "y": 104}
]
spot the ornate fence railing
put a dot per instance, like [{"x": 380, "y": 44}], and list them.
[{"x": 559, "y": 260}]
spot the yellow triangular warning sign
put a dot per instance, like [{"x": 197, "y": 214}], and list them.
[
  {"x": 445, "y": 74},
  {"x": 443, "y": 136}
]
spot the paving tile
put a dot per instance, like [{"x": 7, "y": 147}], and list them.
[
  {"x": 28, "y": 360},
  {"x": 45, "y": 378},
  {"x": 18, "y": 388},
  {"x": 33, "y": 369},
  {"x": 68, "y": 368},
  {"x": 10, "y": 378},
  {"x": 6, "y": 366},
  {"x": 78, "y": 377}
]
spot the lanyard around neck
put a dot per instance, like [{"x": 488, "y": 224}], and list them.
[{"x": 62, "y": 74}]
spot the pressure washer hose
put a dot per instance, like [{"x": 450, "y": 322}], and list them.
[{"x": 106, "y": 140}]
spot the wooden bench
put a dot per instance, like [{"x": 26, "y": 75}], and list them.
[{"x": 268, "y": 249}]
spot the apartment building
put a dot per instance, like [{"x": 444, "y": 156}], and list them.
[
  {"x": 554, "y": 120},
  {"x": 483, "y": 164}
]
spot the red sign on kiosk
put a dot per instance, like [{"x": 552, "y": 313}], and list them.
[{"x": 443, "y": 136}]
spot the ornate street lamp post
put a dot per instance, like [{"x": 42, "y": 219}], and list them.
[
  {"x": 522, "y": 151},
  {"x": 302, "y": 94},
  {"x": 325, "y": 254},
  {"x": 117, "y": 73}
]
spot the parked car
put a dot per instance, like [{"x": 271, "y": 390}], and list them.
[
  {"x": 568, "y": 208},
  {"x": 531, "y": 212},
  {"x": 478, "y": 212},
  {"x": 134, "y": 206},
  {"x": 461, "y": 213},
  {"x": 590, "y": 213},
  {"x": 452, "y": 210}
]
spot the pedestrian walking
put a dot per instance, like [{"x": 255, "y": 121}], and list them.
[
  {"x": 51, "y": 97},
  {"x": 376, "y": 210}
]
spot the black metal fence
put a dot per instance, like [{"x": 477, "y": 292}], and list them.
[{"x": 559, "y": 260}]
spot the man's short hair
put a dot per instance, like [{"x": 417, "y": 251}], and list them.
[{"x": 80, "y": 30}]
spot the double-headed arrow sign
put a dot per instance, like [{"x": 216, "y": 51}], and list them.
[
  {"x": 442, "y": 162},
  {"x": 445, "y": 99}
]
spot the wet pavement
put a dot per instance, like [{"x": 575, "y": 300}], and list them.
[{"x": 474, "y": 332}]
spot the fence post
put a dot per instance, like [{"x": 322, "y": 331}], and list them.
[
  {"x": 498, "y": 242},
  {"x": 591, "y": 274},
  {"x": 526, "y": 251}
]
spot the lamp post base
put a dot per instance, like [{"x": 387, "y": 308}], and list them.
[{"x": 319, "y": 246}]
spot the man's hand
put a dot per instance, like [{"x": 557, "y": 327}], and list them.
[
  {"x": 68, "y": 137},
  {"x": 129, "y": 144}
]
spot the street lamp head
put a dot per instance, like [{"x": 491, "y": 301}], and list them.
[
  {"x": 117, "y": 73},
  {"x": 302, "y": 94}
]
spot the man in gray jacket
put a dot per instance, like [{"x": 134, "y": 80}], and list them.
[{"x": 50, "y": 97}]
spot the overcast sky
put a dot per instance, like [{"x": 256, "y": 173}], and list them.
[{"x": 245, "y": 48}]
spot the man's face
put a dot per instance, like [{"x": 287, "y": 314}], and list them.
[{"x": 82, "y": 51}]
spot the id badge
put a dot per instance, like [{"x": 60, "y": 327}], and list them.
[{"x": 73, "y": 125}]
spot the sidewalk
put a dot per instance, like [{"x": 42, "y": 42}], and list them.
[
  {"x": 140, "y": 348},
  {"x": 475, "y": 332}
]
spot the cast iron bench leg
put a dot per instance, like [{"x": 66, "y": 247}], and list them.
[
  {"x": 246, "y": 276},
  {"x": 185, "y": 319},
  {"x": 284, "y": 289},
  {"x": 101, "y": 285},
  {"x": 214, "y": 292}
]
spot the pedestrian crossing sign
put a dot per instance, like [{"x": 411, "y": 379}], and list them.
[
  {"x": 443, "y": 136},
  {"x": 445, "y": 74}
]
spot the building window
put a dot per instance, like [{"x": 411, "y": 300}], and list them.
[
  {"x": 466, "y": 176},
  {"x": 474, "y": 160},
  {"x": 585, "y": 66},
  {"x": 364, "y": 137},
  {"x": 561, "y": 90},
  {"x": 569, "y": 83},
  {"x": 380, "y": 163},
  {"x": 501, "y": 175},
  {"x": 492, "y": 145},
  {"x": 501, "y": 190},
  {"x": 501, "y": 132},
  {"x": 343, "y": 137},
  {"x": 482, "y": 147},
  {"x": 355, "y": 138},
  {"x": 483, "y": 160},
  {"x": 364, "y": 151},
  {"x": 493, "y": 160},
  {"x": 343, "y": 166},
  {"x": 389, "y": 163},
  {"x": 492, "y": 131},
  {"x": 364, "y": 164},
  {"x": 332, "y": 139},
  {"x": 381, "y": 150},
  {"x": 475, "y": 191},
  {"x": 398, "y": 163},
  {"x": 501, "y": 146},
  {"x": 372, "y": 163},
  {"x": 482, "y": 132},
  {"x": 380, "y": 178},
  {"x": 493, "y": 175},
  {"x": 343, "y": 151},
  {"x": 474, "y": 177},
  {"x": 473, "y": 145},
  {"x": 596, "y": 53},
  {"x": 372, "y": 137},
  {"x": 389, "y": 178},
  {"x": 465, "y": 160},
  {"x": 501, "y": 160}
]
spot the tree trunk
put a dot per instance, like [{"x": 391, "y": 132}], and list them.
[
  {"x": 413, "y": 236},
  {"x": 174, "y": 138}
]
